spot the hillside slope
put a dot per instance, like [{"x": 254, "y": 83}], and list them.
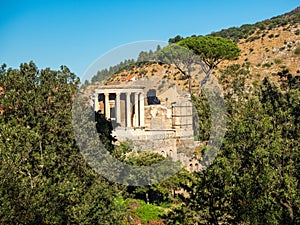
[
  {"x": 267, "y": 48},
  {"x": 271, "y": 46}
]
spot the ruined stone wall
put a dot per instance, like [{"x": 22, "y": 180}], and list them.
[
  {"x": 168, "y": 131},
  {"x": 158, "y": 117}
]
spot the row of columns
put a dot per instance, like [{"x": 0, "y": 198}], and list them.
[{"x": 138, "y": 108}]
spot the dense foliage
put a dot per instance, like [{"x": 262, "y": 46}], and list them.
[
  {"x": 237, "y": 33},
  {"x": 255, "y": 178},
  {"x": 211, "y": 50},
  {"x": 106, "y": 73},
  {"x": 43, "y": 177}
]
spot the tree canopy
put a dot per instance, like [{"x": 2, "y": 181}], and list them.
[
  {"x": 212, "y": 50},
  {"x": 43, "y": 177}
]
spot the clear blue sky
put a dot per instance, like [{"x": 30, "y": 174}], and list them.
[{"x": 75, "y": 33}]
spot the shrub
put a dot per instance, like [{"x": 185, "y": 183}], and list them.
[
  {"x": 253, "y": 38},
  {"x": 284, "y": 67},
  {"x": 255, "y": 83},
  {"x": 271, "y": 36},
  {"x": 297, "y": 50},
  {"x": 143, "y": 72},
  {"x": 246, "y": 64},
  {"x": 261, "y": 26},
  {"x": 268, "y": 65},
  {"x": 148, "y": 212},
  {"x": 160, "y": 87},
  {"x": 282, "y": 48},
  {"x": 270, "y": 27},
  {"x": 171, "y": 85},
  {"x": 277, "y": 61},
  {"x": 297, "y": 32}
]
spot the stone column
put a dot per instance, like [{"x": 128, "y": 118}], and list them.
[
  {"x": 107, "y": 106},
  {"x": 96, "y": 102},
  {"x": 142, "y": 108},
  {"x": 128, "y": 113},
  {"x": 118, "y": 108},
  {"x": 136, "y": 109}
]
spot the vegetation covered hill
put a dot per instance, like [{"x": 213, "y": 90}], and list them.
[
  {"x": 268, "y": 49},
  {"x": 245, "y": 31},
  {"x": 270, "y": 46}
]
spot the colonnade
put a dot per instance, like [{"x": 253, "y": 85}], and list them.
[{"x": 136, "y": 112}]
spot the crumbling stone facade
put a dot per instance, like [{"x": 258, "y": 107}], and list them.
[{"x": 152, "y": 125}]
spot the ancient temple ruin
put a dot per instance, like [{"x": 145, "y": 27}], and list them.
[
  {"x": 123, "y": 106},
  {"x": 158, "y": 122}
]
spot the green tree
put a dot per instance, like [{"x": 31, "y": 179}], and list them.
[
  {"x": 204, "y": 51},
  {"x": 182, "y": 58},
  {"x": 212, "y": 50},
  {"x": 104, "y": 128},
  {"x": 164, "y": 191},
  {"x": 255, "y": 178},
  {"x": 43, "y": 177},
  {"x": 175, "y": 39}
]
